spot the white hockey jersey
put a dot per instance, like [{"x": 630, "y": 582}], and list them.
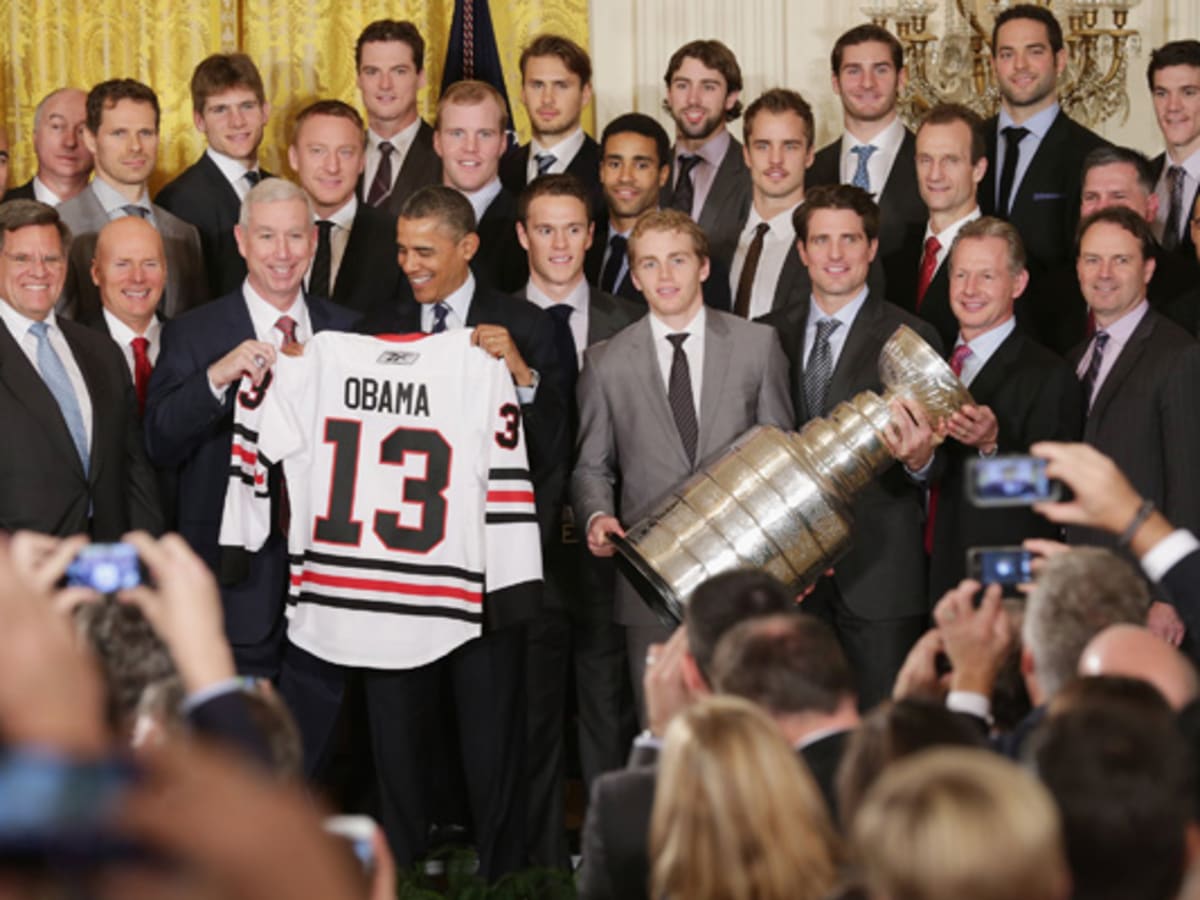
[{"x": 409, "y": 493}]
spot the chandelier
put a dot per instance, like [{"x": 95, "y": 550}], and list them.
[{"x": 955, "y": 67}]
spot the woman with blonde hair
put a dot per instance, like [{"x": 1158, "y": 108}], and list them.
[{"x": 737, "y": 816}]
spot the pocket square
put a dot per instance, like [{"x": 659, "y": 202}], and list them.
[{"x": 1037, "y": 198}]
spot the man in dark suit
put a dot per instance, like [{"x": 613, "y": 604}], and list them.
[
  {"x": 1023, "y": 393},
  {"x": 556, "y": 84},
  {"x": 651, "y": 413},
  {"x": 875, "y": 151},
  {"x": 766, "y": 273},
  {"x": 389, "y": 57},
  {"x": 575, "y": 631},
  {"x": 1174, "y": 76},
  {"x": 1035, "y": 150},
  {"x": 482, "y": 681},
  {"x": 738, "y": 642},
  {"x": 64, "y": 162},
  {"x": 876, "y": 598},
  {"x": 75, "y": 461},
  {"x": 122, "y": 136},
  {"x": 1141, "y": 374},
  {"x": 355, "y": 262},
  {"x": 709, "y": 180},
  {"x": 1057, "y": 316},
  {"x": 189, "y": 410},
  {"x": 472, "y": 120},
  {"x": 950, "y": 163},
  {"x": 229, "y": 108}
]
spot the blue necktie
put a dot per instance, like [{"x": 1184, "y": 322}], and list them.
[
  {"x": 54, "y": 373},
  {"x": 862, "y": 178},
  {"x": 544, "y": 162},
  {"x": 440, "y": 311}
]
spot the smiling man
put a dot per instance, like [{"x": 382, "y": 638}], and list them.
[
  {"x": 875, "y": 600},
  {"x": 195, "y": 385},
  {"x": 1035, "y": 150},
  {"x": 354, "y": 260},
  {"x": 662, "y": 398},
  {"x": 875, "y": 151},
  {"x": 122, "y": 135},
  {"x": 709, "y": 180},
  {"x": 1174, "y": 76},
  {"x": 230, "y": 109},
  {"x": 64, "y": 162},
  {"x": 389, "y": 57}
]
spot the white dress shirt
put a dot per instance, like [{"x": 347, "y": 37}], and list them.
[
  {"x": 401, "y": 140},
  {"x": 124, "y": 337},
  {"x": 234, "y": 171},
  {"x": 693, "y": 347},
  {"x": 578, "y": 320},
  {"x": 947, "y": 235},
  {"x": 18, "y": 326},
  {"x": 777, "y": 244},
  {"x": 564, "y": 151},
  {"x": 339, "y": 237},
  {"x": 1119, "y": 333},
  {"x": 879, "y": 166},
  {"x": 43, "y": 194},
  {"x": 1191, "y": 178},
  {"x": 846, "y": 315},
  {"x": 482, "y": 198},
  {"x": 114, "y": 202},
  {"x": 982, "y": 347}
]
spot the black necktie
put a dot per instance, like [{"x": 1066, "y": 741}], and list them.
[
  {"x": 612, "y": 268},
  {"x": 318, "y": 281},
  {"x": 381, "y": 184},
  {"x": 745, "y": 287},
  {"x": 564, "y": 347},
  {"x": 1013, "y": 135},
  {"x": 253, "y": 176},
  {"x": 132, "y": 209},
  {"x": 819, "y": 370},
  {"x": 679, "y": 395},
  {"x": 1175, "y": 183},
  {"x": 685, "y": 189},
  {"x": 1093, "y": 370}
]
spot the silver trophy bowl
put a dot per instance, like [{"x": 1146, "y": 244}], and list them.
[{"x": 782, "y": 501}]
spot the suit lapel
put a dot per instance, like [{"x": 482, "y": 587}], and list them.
[
  {"x": 226, "y": 196},
  {"x": 723, "y": 184},
  {"x": 905, "y": 161},
  {"x": 27, "y": 387},
  {"x": 718, "y": 350},
  {"x": 643, "y": 362},
  {"x": 793, "y": 279},
  {"x": 353, "y": 257},
  {"x": 1117, "y": 375},
  {"x": 93, "y": 378},
  {"x": 994, "y": 373},
  {"x": 855, "y": 356},
  {"x": 1048, "y": 152},
  {"x": 602, "y": 319}
]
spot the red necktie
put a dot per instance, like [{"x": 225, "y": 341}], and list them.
[
  {"x": 287, "y": 325},
  {"x": 928, "y": 266},
  {"x": 957, "y": 358},
  {"x": 141, "y": 370}
]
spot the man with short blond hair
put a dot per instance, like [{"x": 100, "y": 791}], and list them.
[
  {"x": 64, "y": 161},
  {"x": 660, "y": 399},
  {"x": 229, "y": 107}
]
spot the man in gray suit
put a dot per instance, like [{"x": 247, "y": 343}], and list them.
[
  {"x": 574, "y": 630},
  {"x": 122, "y": 136},
  {"x": 664, "y": 397},
  {"x": 709, "y": 180}
]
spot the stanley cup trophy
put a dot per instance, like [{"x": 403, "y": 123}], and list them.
[{"x": 781, "y": 501}]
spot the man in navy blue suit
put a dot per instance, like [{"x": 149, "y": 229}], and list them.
[{"x": 189, "y": 410}]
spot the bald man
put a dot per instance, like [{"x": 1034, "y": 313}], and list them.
[
  {"x": 129, "y": 268},
  {"x": 64, "y": 161},
  {"x": 1134, "y": 652}
]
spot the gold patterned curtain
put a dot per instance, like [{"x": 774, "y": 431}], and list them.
[{"x": 304, "y": 49}]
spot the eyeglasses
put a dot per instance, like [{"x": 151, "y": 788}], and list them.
[{"x": 30, "y": 260}]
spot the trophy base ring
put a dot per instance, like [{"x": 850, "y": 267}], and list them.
[{"x": 651, "y": 587}]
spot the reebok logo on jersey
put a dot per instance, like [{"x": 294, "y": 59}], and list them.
[{"x": 397, "y": 358}]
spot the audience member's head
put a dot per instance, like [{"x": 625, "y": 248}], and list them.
[
  {"x": 1133, "y": 651},
  {"x": 635, "y": 163},
  {"x": 704, "y": 84},
  {"x": 1124, "y": 779},
  {"x": 554, "y": 225},
  {"x": 736, "y": 814},
  {"x": 122, "y": 134},
  {"x": 1077, "y": 595},
  {"x": 1111, "y": 692},
  {"x": 389, "y": 57},
  {"x": 328, "y": 153},
  {"x": 469, "y": 134},
  {"x": 954, "y": 823},
  {"x": 130, "y": 269},
  {"x": 1118, "y": 176},
  {"x": 890, "y": 732},
  {"x": 556, "y": 84},
  {"x": 229, "y": 106},
  {"x": 64, "y": 161},
  {"x": 435, "y": 241}
]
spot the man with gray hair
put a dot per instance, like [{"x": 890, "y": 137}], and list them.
[
  {"x": 190, "y": 406},
  {"x": 64, "y": 161}
]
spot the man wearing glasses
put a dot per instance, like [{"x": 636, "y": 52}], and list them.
[{"x": 74, "y": 461}]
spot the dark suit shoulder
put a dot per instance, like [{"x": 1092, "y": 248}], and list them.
[
  {"x": 824, "y": 169},
  {"x": 197, "y": 176},
  {"x": 513, "y": 168},
  {"x": 889, "y": 317},
  {"x": 20, "y": 192}
]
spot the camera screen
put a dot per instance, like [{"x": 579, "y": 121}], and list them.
[
  {"x": 1005, "y": 567},
  {"x": 1012, "y": 479},
  {"x": 106, "y": 568}
]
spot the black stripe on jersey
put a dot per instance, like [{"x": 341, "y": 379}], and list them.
[
  {"x": 245, "y": 432},
  {"x": 386, "y": 565},
  {"x": 498, "y": 518},
  {"x": 247, "y": 479},
  {"x": 403, "y": 609},
  {"x": 508, "y": 475}
]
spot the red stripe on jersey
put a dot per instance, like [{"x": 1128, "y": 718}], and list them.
[
  {"x": 510, "y": 496},
  {"x": 389, "y": 587},
  {"x": 245, "y": 455},
  {"x": 401, "y": 338}
]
